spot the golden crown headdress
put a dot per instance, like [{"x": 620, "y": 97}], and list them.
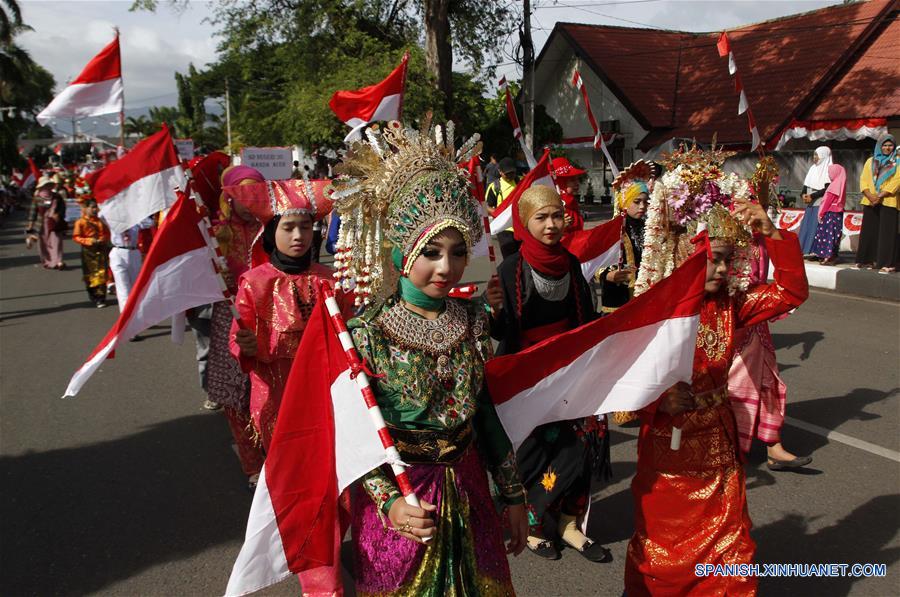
[{"x": 398, "y": 188}]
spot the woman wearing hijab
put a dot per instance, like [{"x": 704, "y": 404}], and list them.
[
  {"x": 227, "y": 386},
  {"x": 880, "y": 184},
  {"x": 544, "y": 294},
  {"x": 813, "y": 190},
  {"x": 831, "y": 216},
  {"x": 276, "y": 297}
]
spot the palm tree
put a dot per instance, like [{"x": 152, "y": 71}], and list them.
[{"x": 139, "y": 126}]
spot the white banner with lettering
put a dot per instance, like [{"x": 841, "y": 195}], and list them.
[{"x": 275, "y": 163}]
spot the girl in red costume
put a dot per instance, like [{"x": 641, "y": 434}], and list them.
[
  {"x": 689, "y": 494},
  {"x": 567, "y": 179}
]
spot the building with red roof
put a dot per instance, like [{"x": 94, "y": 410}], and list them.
[{"x": 830, "y": 75}]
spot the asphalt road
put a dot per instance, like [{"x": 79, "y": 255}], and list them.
[{"x": 132, "y": 489}]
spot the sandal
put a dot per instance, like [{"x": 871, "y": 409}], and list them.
[
  {"x": 593, "y": 552},
  {"x": 786, "y": 465}
]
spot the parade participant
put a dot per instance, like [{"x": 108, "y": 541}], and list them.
[
  {"x": 757, "y": 392},
  {"x": 494, "y": 196},
  {"x": 48, "y": 208},
  {"x": 567, "y": 178},
  {"x": 276, "y": 297},
  {"x": 427, "y": 353},
  {"x": 689, "y": 494},
  {"x": 125, "y": 260},
  {"x": 631, "y": 197},
  {"x": 545, "y": 293},
  {"x": 92, "y": 234},
  {"x": 880, "y": 185},
  {"x": 227, "y": 386},
  {"x": 813, "y": 190},
  {"x": 831, "y": 216}
]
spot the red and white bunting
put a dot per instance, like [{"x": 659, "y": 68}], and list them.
[
  {"x": 599, "y": 141},
  {"x": 724, "y": 47},
  {"x": 514, "y": 122}
]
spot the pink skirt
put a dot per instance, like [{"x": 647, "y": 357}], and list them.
[{"x": 756, "y": 390}]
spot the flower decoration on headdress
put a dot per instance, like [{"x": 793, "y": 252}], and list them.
[
  {"x": 397, "y": 189},
  {"x": 631, "y": 182},
  {"x": 695, "y": 190}
]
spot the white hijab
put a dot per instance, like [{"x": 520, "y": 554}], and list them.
[{"x": 817, "y": 177}]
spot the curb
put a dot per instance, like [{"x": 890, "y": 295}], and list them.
[{"x": 845, "y": 280}]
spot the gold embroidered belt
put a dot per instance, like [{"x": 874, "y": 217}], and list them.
[
  {"x": 430, "y": 446},
  {"x": 711, "y": 398}
]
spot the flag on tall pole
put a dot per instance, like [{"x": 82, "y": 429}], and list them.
[
  {"x": 97, "y": 90},
  {"x": 621, "y": 362},
  {"x": 33, "y": 175},
  {"x": 139, "y": 184},
  {"x": 724, "y": 47},
  {"x": 514, "y": 122},
  {"x": 382, "y": 101},
  {"x": 178, "y": 274},
  {"x": 599, "y": 142}
]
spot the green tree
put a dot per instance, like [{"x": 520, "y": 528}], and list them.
[{"x": 25, "y": 86}]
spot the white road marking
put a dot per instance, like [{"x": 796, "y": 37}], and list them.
[{"x": 844, "y": 439}]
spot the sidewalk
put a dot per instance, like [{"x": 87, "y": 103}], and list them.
[{"x": 838, "y": 278}]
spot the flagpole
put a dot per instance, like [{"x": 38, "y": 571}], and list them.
[
  {"x": 122, "y": 111},
  {"x": 212, "y": 244},
  {"x": 362, "y": 381}
]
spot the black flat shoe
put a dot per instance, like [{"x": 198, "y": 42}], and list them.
[
  {"x": 545, "y": 549},
  {"x": 786, "y": 465},
  {"x": 593, "y": 552}
]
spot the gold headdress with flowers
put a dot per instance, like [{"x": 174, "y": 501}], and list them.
[
  {"x": 695, "y": 190},
  {"x": 397, "y": 189}
]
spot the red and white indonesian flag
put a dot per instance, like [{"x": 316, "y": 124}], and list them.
[
  {"x": 139, "y": 184},
  {"x": 97, "y": 90},
  {"x": 597, "y": 248},
  {"x": 382, "y": 101},
  {"x": 540, "y": 174},
  {"x": 33, "y": 175},
  {"x": 621, "y": 362},
  {"x": 324, "y": 440},
  {"x": 177, "y": 275}
]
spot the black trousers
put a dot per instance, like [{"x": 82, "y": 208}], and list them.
[
  {"x": 878, "y": 237},
  {"x": 508, "y": 243}
]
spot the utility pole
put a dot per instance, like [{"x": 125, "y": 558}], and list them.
[
  {"x": 527, "y": 74},
  {"x": 228, "y": 116}
]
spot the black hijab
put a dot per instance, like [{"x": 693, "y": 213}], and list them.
[{"x": 282, "y": 262}]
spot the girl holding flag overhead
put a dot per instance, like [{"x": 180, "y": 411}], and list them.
[
  {"x": 406, "y": 210},
  {"x": 544, "y": 294},
  {"x": 689, "y": 490},
  {"x": 276, "y": 296}
]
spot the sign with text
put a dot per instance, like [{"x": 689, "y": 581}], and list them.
[
  {"x": 275, "y": 163},
  {"x": 185, "y": 149}
]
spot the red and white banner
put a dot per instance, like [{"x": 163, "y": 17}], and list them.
[
  {"x": 382, "y": 101},
  {"x": 621, "y": 362},
  {"x": 139, "y": 184},
  {"x": 177, "y": 274},
  {"x": 97, "y": 90},
  {"x": 790, "y": 219},
  {"x": 540, "y": 174},
  {"x": 724, "y": 48},
  {"x": 324, "y": 440},
  {"x": 599, "y": 141},
  {"x": 596, "y": 248},
  {"x": 514, "y": 123},
  {"x": 833, "y": 130}
]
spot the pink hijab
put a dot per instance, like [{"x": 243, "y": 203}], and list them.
[{"x": 838, "y": 184}]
